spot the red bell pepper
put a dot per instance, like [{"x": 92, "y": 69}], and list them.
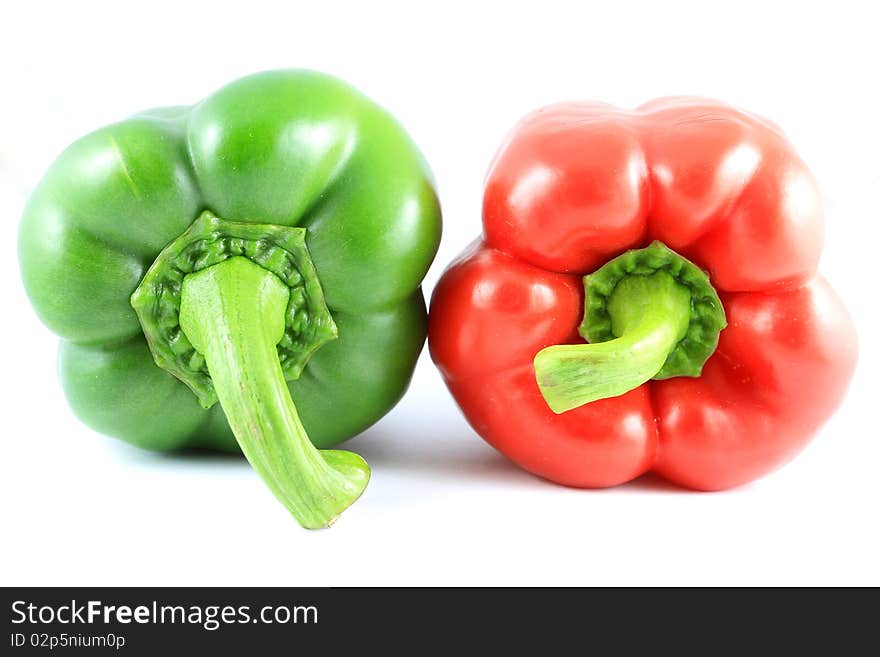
[{"x": 718, "y": 222}]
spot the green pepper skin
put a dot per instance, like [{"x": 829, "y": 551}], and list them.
[{"x": 293, "y": 148}]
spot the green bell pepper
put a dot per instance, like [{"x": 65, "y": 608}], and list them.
[{"x": 264, "y": 248}]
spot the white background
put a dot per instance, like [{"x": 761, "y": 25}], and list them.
[{"x": 442, "y": 507}]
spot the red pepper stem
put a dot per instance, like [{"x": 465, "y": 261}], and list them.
[{"x": 650, "y": 315}]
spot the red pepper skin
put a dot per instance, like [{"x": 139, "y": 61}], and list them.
[{"x": 574, "y": 186}]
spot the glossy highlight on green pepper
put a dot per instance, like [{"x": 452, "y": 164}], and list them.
[{"x": 264, "y": 247}]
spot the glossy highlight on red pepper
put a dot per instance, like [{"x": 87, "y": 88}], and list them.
[{"x": 576, "y": 185}]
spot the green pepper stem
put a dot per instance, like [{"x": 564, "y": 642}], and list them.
[
  {"x": 233, "y": 314},
  {"x": 649, "y": 314}
]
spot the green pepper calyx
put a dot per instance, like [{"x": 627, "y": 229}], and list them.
[
  {"x": 649, "y": 314},
  {"x": 210, "y": 240}
]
